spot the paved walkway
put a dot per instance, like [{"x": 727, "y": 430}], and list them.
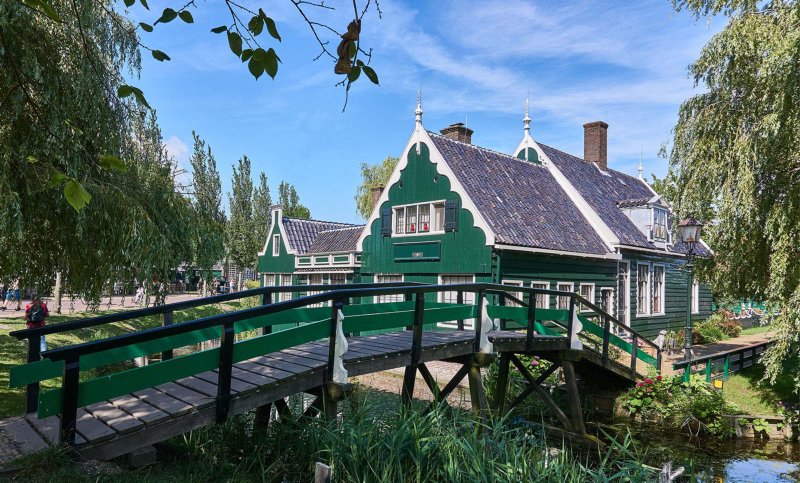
[
  {"x": 709, "y": 349},
  {"x": 78, "y": 306}
]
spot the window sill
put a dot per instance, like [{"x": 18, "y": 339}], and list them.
[{"x": 424, "y": 233}]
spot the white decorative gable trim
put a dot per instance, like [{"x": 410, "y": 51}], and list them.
[{"x": 277, "y": 217}]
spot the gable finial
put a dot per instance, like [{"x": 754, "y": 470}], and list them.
[
  {"x": 418, "y": 112},
  {"x": 526, "y": 121},
  {"x": 640, "y": 164}
]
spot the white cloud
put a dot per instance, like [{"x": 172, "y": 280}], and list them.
[{"x": 179, "y": 151}]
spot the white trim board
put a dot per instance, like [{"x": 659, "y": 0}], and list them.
[{"x": 546, "y": 251}]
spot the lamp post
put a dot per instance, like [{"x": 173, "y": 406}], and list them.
[{"x": 690, "y": 235}]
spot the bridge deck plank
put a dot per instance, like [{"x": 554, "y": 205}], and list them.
[
  {"x": 114, "y": 417},
  {"x": 139, "y": 409},
  {"x": 163, "y": 402},
  {"x": 195, "y": 399}
]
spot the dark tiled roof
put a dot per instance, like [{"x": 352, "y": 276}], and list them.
[
  {"x": 521, "y": 201},
  {"x": 699, "y": 249},
  {"x": 602, "y": 190},
  {"x": 339, "y": 240},
  {"x": 301, "y": 233},
  {"x": 632, "y": 203}
]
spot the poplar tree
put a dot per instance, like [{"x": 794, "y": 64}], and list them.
[
  {"x": 288, "y": 197},
  {"x": 241, "y": 233},
  {"x": 735, "y": 157},
  {"x": 262, "y": 216},
  {"x": 209, "y": 229}
]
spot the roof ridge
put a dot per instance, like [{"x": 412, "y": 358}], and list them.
[
  {"x": 481, "y": 148},
  {"x": 347, "y": 225},
  {"x": 581, "y": 159},
  {"x": 343, "y": 228}
]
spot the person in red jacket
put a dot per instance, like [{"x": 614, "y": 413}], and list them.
[{"x": 35, "y": 315}]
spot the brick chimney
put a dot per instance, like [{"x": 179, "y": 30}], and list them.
[
  {"x": 458, "y": 132},
  {"x": 376, "y": 192},
  {"x": 595, "y": 143}
]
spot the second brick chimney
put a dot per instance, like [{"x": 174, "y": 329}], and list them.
[
  {"x": 459, "y": 132},
  {"x": 595, "y": 143},
  {"x": 376, "y": 192}
]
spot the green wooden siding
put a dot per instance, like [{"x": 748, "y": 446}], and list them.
[
  {"x": 284, "y": 263},
  {"x": 675, "y": 297},
  {"x": 532, "y": 267},
  {"x": 462, "y": 251}
]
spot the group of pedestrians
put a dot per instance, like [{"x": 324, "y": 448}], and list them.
[{"x": 10, "y": 295}]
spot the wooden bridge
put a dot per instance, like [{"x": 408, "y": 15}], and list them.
[{"x": 312, "y": 344}]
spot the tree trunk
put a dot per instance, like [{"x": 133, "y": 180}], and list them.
[
  {"x": 57, "y": 293},
  {"x": 239, "y": 283}
]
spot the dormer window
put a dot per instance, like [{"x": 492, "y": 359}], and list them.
[{"x": 660, "y": 231}]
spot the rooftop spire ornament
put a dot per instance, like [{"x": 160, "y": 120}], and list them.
[
  {"x": 526, "y": 121},
  {"x": 640, "y": 164},
  {"x": 418, "y": 112}
]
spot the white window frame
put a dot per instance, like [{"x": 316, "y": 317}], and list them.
[
  {"x": 431, "y": 219},
  {"x": 695, "y": 296},
  {"x": 283, "y": 296},
  {"x": 276, "y": 245},
  {"x": 379, "y": 299},
  {"x": 591, "y": 298},
  {"x": 514, "y": 283},
  {"x": 647, "y": 290},
  {"x": 666, "y": 224},
  {"x": 559, "y": 297},
  {"x": 612, "y": 304},
  {"x": 546, "y": 296},
  {"x": 469, "y": 324},
  {"x": 663, "y": 290}
]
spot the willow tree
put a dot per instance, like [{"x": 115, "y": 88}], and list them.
[
  {"x": 372, "y": 176},
  {"x": 86, "y": 187},
  {"x": 735, "y": 157}
]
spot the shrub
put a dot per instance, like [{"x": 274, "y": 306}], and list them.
[{"x": 710, "y": 331}]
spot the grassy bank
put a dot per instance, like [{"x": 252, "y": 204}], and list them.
[
  {"x": 748, "y": 391},
  {"x": 368, "y": 443},
  {"x": 14, "y": 352}
]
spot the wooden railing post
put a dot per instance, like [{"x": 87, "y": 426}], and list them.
[
  {"x": 336, "y": 306},
  {"x": 32, "y": 390},
  {"x": 460, "y": 300},
  {"x": 167, "y": 354},
  {"x": 634, "y": 353},
  {"x": 503, "y": 301},
  {"x": 266, "y": 299},
  {"x": 225, "y": 371},
  {"x": 69, "y": 400},
  {"x": 659, "y": 360},
  {"x": 570, "y": 319},
  {"x": 531, "y": 321},
  {"x": 479, "y": 295},
  {"x": 410, "y": 374},
  {"x": 606, "y": 338}
]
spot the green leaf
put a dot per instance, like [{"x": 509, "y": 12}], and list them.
[
  {"x": 108, "y": 161},
  {"x": 124, "y": 90},
  {"x": 256, "y": 68},
  {"x": 355, "y": 72},
  {"x": 235, "y": 43},
  {"x": 168, "y": 15},
  {"x": 371, "y": 75},
  {"x": 256, "y": 25},
  {"x": 129, "y": 3},
  {"x": 32, "y": 159},
  {"x": 146, "y": 27},
  {"x": 57, "y": 179},
  {"x": 144, "y": 4},
  {"x": 137, "y": 93},
  {"x": 76, "y": 195},
  {"x": 186, "y": 16},
  {"x": 160, "y": 56},
  {"x": 271, "y": 63},
  {"x": 220, "y": 29},
  {"x": 271, "y": 28}
]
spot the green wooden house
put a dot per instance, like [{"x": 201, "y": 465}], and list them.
[{"x": 453, "y": 212}]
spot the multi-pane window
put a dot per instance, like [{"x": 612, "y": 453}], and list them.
[
  {"x": 518, "y": 295},
  {"x": 420, "y": 218},
  {"x": 658, "y": 289},
  {"x": 587, "y": 292},
  {"x": 269, "y": 279},
  {"x": 695, "y": 297},
  {"x": 542, "y": 299},
  {"x": 286, "y": 280},
  {"x": 452, "y": 297},
  {"x": 562, "y": 301},
  {"x": 607, "y": 300},
  {"x": 659, "y": 224},
  {"x": 389, "y": 279},
  {"x": 276, "y": 245},
  {"x": 642, "y": 289}
]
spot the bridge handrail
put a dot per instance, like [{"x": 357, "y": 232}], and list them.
[{"x": 717, "y": 355}]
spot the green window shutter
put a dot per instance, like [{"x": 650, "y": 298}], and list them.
[
  {"x": 450, "y": 215},
  {"x": 386, "y": 222}
]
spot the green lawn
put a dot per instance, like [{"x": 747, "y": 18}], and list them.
[
  {"x": 13, "y": 352},
  {"x": 758, "y": 329},
  {"x": 748, "y": 392}
]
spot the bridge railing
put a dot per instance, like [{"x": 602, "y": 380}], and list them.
[
  {"x": 167, "y": 312},
  {"x": 722, "y": 364},
  {"x": 318, "y": 323}
]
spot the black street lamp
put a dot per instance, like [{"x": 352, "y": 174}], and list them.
[{"x": 690, "y": 235}]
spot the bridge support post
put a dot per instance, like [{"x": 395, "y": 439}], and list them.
[
  {"x": 410, "y": 375},
  {"x": 575, "y": 409},
  {"x": 502, "y": 384},
  {"x": 476, "y": 394},
  {"x": 263, "y": 414}
]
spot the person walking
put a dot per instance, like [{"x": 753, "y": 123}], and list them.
[
  {"x": 35, "y": 316},
  {"x": 12, "y": 295}
]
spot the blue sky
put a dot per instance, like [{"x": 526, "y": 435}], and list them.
[{"x": 621, "y": 62}]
